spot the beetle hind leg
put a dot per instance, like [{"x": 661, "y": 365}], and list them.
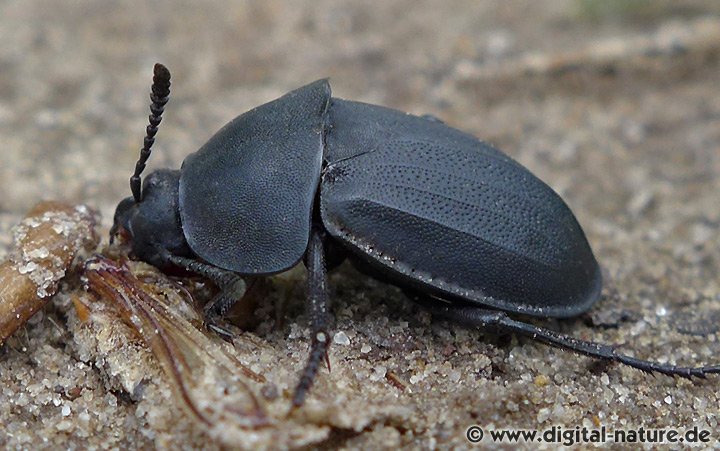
[{"x": 479, "y": 317}]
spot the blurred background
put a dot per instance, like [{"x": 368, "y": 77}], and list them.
[
  {"x": 615, "y": 104},
  {"x": 576, "y": 84}
]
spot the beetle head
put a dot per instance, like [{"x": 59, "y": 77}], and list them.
[{"x": 153, "y": 223}]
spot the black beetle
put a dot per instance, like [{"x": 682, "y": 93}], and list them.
[{"x": 460, "y": 226}]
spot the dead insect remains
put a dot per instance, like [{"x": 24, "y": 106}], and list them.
[{"x": 198, "y": 369}]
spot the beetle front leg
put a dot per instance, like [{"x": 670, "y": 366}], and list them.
[
  {"x": 317, "y": 304},
  {"x": 231, "y": 287},
  {"x": 479, "y": 317}
]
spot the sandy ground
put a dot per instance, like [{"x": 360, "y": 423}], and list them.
[{"x": 614, "y": 104}]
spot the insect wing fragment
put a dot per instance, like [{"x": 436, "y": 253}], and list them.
[{"x": 210, "y": 382}]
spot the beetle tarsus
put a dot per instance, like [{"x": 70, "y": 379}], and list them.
[
  {"x": 474, "y": 316},
  {"x": 221, "y": 331},
  {"x": 317, "y": 296}
]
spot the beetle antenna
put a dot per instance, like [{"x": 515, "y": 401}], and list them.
[{"x": 159, "y": 95}]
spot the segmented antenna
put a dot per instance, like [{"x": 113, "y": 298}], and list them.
[{"x": 159, "y": 97}]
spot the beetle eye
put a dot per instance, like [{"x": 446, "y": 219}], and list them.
[
  {"x": 119, "y": 231},
  {"x": 121, "y": 219}
]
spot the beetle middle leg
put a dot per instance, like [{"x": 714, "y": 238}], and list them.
[
  {"x": 231, "y": 286},
  {"x": 318, "y": 300},
  {"x": 479, "y": 317}
]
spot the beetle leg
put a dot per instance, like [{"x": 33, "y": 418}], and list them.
[
  {"x": 318, "y": 300},
  {"x": 230, "y": 284},
  {"x": 474, "y": 316}
]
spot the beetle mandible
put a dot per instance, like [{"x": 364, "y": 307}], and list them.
[{"x": 458, "y": 225}]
